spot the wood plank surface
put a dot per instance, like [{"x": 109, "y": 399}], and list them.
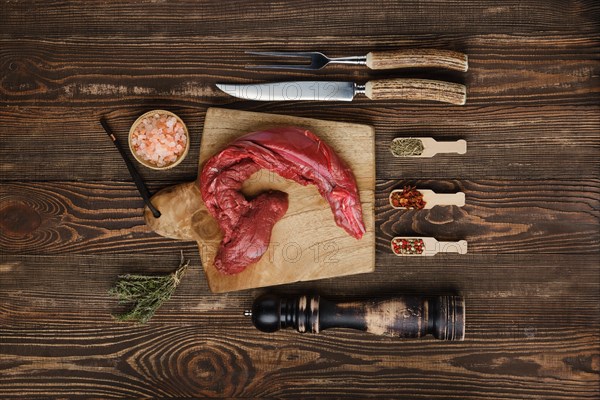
[
  {"x": 503, "y": 142},
  {"x": 52, "y": 218},
  {"x": 527, "y": 285},
  {"x": 71, "y": 220},
  {"x": 201, "y": 344},
  {"x": 287, "y": 18},
  {"x": 503, "y": 68}
]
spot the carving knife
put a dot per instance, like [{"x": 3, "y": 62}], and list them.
[{"x": 383, "y": 89}]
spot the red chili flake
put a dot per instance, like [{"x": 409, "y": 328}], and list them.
[
  {"x": 408, "y": 246},
  {"x": 409, "y": 197}
]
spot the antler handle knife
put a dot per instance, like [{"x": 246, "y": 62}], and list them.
[{"x": 382, "y": 89}]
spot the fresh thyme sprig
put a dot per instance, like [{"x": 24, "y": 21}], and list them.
[{"x": 147, "y": 292}]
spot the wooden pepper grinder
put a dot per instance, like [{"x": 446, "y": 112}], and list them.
[{"x": 404, "y": 316}]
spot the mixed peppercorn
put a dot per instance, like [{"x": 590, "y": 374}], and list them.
[
  {"x": 409, "y": 197},
  {"x": 408, "y": 246}
]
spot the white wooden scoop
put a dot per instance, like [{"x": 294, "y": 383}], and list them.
[
  {"x": 432, "y": 246},
  {"x": 433, "y": 199},
  {"x": 433, "y": 147}
]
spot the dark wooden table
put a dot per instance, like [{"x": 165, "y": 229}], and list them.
[{"x": 71, "y": 219}]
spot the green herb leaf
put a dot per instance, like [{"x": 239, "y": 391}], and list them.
[{"x": 147, "y": 292}]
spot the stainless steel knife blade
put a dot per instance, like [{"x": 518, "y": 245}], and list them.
[
  {"x": 293, "y": 90},
  {"x": 380, "y": 89}
]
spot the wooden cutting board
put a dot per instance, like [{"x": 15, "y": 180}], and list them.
[{"x": 306, "y": 243}]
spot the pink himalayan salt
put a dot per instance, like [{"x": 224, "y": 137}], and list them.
[{"x": 159, "y": 140}]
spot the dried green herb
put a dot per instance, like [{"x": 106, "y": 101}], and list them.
[
  {"x": 146, "y": 292},
  {"x": 406, "y": 147}
]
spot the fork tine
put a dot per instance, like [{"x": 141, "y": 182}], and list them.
[
  {"x": 281, "y": 53},
  {"x": 307, "y": 55},
  {"x": 281, "y": 66},
  {"x": 315, "y": 60}
]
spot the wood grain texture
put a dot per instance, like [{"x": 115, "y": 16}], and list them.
[
  {"x": 179, "y": 361},
  {"x": 64, "y": 342},
  {"x": 513, "y": 69},
  {"x": 286, "y": 18},
  {"x": 499, "y": 217},
  {"x": 416, "y": 90},
  {"x": 70, "y": 220},
  {"x": 503, "y": 142},
  {"x": 524, "y": 286},
  {"x": 416, "y": 58}
]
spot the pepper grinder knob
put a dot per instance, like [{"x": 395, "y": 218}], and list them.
[
  {"x": 403, "y": 316},
  {"x": 266, "y": 313}
]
